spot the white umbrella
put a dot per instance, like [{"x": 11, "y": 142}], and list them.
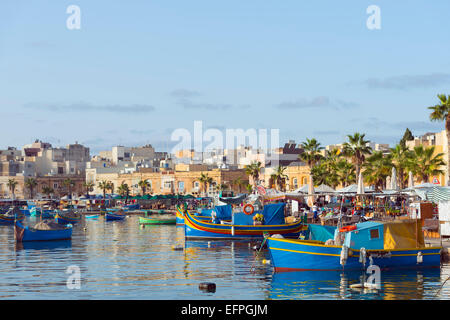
[
  {"x": 388, "y": 182},
  {"x": 310, "y": 192},
  {"x": 394, "y": 179},
  {"x": 360, "y": 189},
  {"x": 410, "y": 180}
]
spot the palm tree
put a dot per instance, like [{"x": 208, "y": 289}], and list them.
[
  {"x": 441, "y": 112},
  {"x": 345, "y": 172},
  {"x": 144, "y": 184},
  {"x": 111, "y": 187},
  {"x": 69, "y": 183},
  {"x": 239, "y": 183},
  {"x": 12, "y": 184},
  {"x": 377, "y": 168},
  {"x": 356, "y": 148},
  {"x": 47, "y": 190},
  {"x": 104, "y": 185},
  {"x": 205, "y": 180},
  {"x": 279, "y": 177},
  {"x": 311, "y": 155},
  {"x": 401, "y": 157},
  {"x": 424, "y": 163},
  {"x": 89, "y": 186},
  {"x": 253, "y": 170},
  {"x": 124, "y": 190},
  {"x": 249, "y": 188},
  {"x": 30, "y": 183}
]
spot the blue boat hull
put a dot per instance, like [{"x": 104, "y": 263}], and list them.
[
  {"x": 61, "y": 219},
  {"x": 112, "y": 217},
  {"x": 197, "y": 229},
  {"x": 295, "y": 255},
  {"x": 22, "y": 234}
]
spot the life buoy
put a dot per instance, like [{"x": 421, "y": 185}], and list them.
[
  {"x": 347, "y": 228},
  {"x": 248, "y": 209}
]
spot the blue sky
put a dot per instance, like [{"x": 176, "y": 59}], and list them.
[{"x": 137, "y": 70}]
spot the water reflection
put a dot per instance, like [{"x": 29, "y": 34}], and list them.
[
  {"x": 121, "y": 260},
  {"x": 395, "y": 285}
]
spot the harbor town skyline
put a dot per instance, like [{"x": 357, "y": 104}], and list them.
[{"x": 240, "y": 67}]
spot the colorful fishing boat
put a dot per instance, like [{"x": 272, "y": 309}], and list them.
[
  {"x": 67, "y": 216},
  {"x": 93, "y": 216},
  {"x": 242, "y": 225},
  {"x": 202, "y": 215},
  {"x": 22, "y": 233},
  {"x": 35, "y": 211},
  {"x": 131, "y": 207},
  {"x": 11, "y": 215},
  {"x": 395, "y": 244},
  {"x": 157, "y": 220},
  {"x": 118, "y": 215}
]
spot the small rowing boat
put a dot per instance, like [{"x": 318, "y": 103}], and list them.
[
  {"x": 118, "y": 215},
  {"x": 12, "y": 214},
  {"x": 43, "y": 231},
  {"x": 65, "y": 217}
]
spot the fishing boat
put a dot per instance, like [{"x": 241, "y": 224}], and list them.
[
  {"x": 54, "y": 232},
  {"x": 157, "y": 220},
  {"x": 394, "y": 244},
  {"x": 242, "y": 225},
  {"x": 131, "y": 207},
  {"x": 93, "y": 216},
  {"x": 11, "y": 215},
  {"x": 35, "y": 211},
  {"x": 201, "y": 214},
  {"x": 67, "y": 216},
  {"x": 118, "y": 215}
]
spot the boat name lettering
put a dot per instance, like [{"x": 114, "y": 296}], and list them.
[{"x": 380, "y": 254}]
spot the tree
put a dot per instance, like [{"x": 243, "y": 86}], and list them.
[
  {"x": 407, "y": 136},
  {"x": 424, "y": 163},
  {"x": 89, "y": 187},
  {"x": 30, "y": 184},
  {"x": 377, "y": 168},
  {"x": 111, "y": 187},
  {"x": 357, "y": 149},
  {"x": 12, "y": 184},
  {"x": 279, "y": 177},
  {"x": 239, "y": 183},
  {"x": 69, "y": 183},
  {"x": 440, "y": 112},
  {"x": 124, "y": 191},
  {"x": 401, "y": 157},
  {"x": 345, "y": 172},
  {"x": 253, "y": 170},
  {"x": 104, "y": 185},
  {"x": 144, "y": 184},
  {"x": 205, "y": 180},
  {"x": 249, "y": 188},
  {"x": 311, "y": 155},
  {"x": 47, "y": 190}
]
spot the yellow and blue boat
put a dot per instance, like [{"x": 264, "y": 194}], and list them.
[
  {"x": 11, "y": 215},
  {"x": 203, "y": 215},
  {"x": 242, "y": 226},
  {"x": 67, "y": 217},
  {"x": 389, "y": 245}
]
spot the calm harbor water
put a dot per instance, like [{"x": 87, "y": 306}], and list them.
[{"x": 119, "y": 260}]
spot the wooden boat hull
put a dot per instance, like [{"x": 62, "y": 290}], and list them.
[
  {"x": 22, "y": 233},
  {"x": 197, "y": 229},
  {"x": 10, "y": 220},
  {"x": 310, "y": 255},
  {"x": 61, "y": 219},
  {"x": 180, "y": 218},
  {"x": 157, "y": 221},
  {"x": 113, "y": 217}
]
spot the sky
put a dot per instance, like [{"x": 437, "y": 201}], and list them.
[{"x": 135, "y": 71}]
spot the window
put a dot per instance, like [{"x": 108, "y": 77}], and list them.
[
  {"x": 294, "y": 182},
  {"x": 55, "y": 185},
  {"x": 374, "y": 234}
]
